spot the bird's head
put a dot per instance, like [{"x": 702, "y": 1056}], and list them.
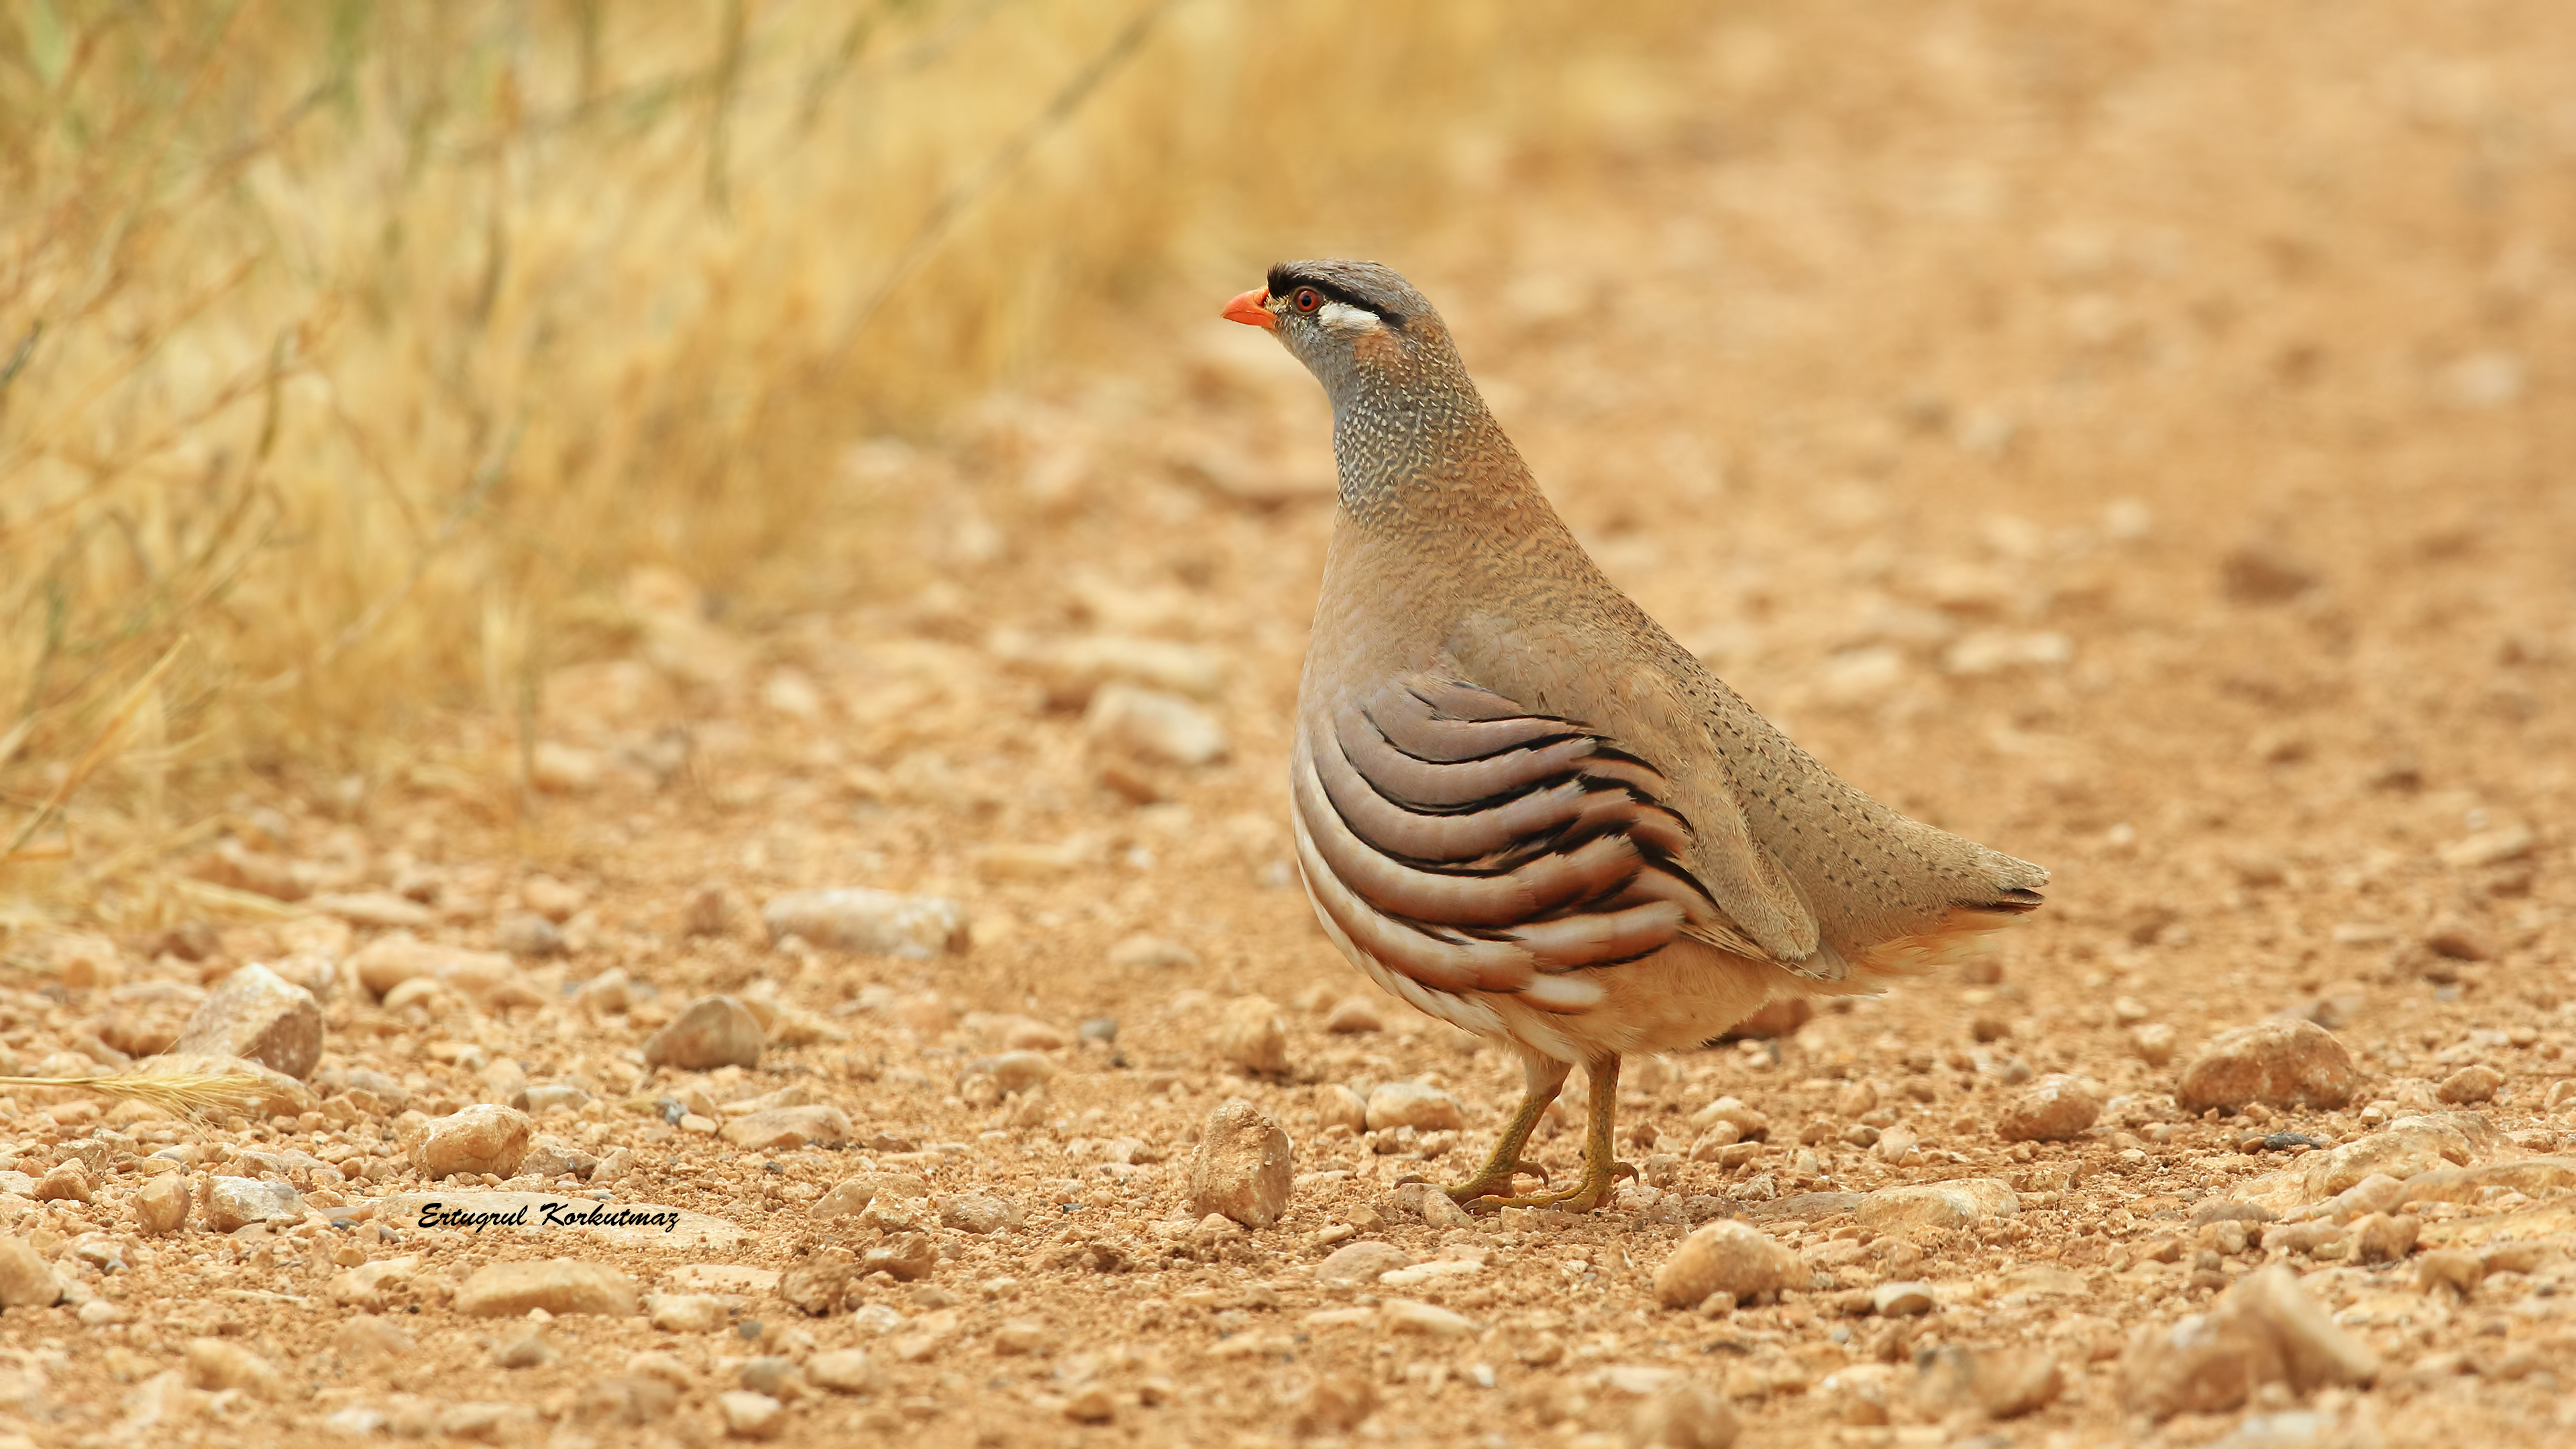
[{"x": 1351, "y": 323}]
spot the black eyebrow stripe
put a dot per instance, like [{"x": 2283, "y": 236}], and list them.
[{"x": 1281, "y": 282}]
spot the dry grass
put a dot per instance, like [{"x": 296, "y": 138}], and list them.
[{"x": 351, "y": 355}]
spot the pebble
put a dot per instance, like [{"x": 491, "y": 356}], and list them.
[
  {"x": 713, "y": 1031},
  {"x": 1352, "y": 1015},
  {"x": 1361, "y": 1262},
  {"x": 26, "y": 1279},
  {"x": 528, "y": 1348},
  {"x": 525, "y": 933},
  {"x": 161, "y": 1205},
  {"x": 66, "y": 1181},
  {"x": 1749, "y": 1125},
  {"x": 908, "y": 1257},
  {"x": 1013, "y": 1071},
  {"x": 1091, "y": 1404},
  {"x": 553, "y": 1157},
  {"x": 2470, "y": 1085},
  {"x": 2052, "y": 1109},
  {"x": 2265, "y": 1329},
  {"x": 1152, "y": 725},
  {"x": 237, "y": 1202},
  {"x": 1411, "y": 1104},
  {"x": 1251, "y": 1036},
  {"x": 368, "y": 1337},
  {"x": 775, "y": 1375},
  {"x": 216, "y": 1364},
  {"x": 1406, "y": 1315},
  {"x": 2450, "y": 1269},
  {"x": 1901, "y": 1299},
  {"x": 482, "y": 1138},
  {"x": 2384, "y": 1238},
  {"x": 1014, "y": 1337},
  {"x": 1727, "y": 1257},
  {"x": 1334, "y": 1402},
  {"x": 784, "y": 1129},
  {"x": 389, "y": 961},
  {"x": 259, "y": 1016},
  {"x": 2155, "y": 1043},
  {"x": 374, "y": 1287},
  {"x": 551, "y": 898},
  {"x": 557, "y": 1285},
  {"x": 1688, "y": 1416},
  {"x": 1339, "y": 1106},
  {"x": 1138, "y": 953},
  {"x": 845, "y": 1371},
  {"x": 871, "y": 922},
  {"x": 978, "y": 1213},
  {"x": 2003, "y": 1382},
  {"x": 2405, "y": 1148},
  {"x": 684, "y": 1312},
  {"x": 751, "y": 1416},
  {"x": 852, "y": 1196},
  {"x": 1895, "y": 1210},
  {"x": 1244, "y": 1167},
  {"x": 2282, "y": 1062},
  {"x": 631, "y": 1399}
]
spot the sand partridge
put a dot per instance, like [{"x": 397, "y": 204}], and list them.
[{"x": 1518, "y": 804}]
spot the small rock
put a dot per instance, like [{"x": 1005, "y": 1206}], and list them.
[
  {"x": 784, "y": 1129},
  {"x": 845, "y": 1371},
  {"x": 1091, "y": 1404},
  {"x": 1334, "y": 1402},
  {"x": 1013, "y": 1071},
  {"x": 909, "y": 1257},
  {"x": 1895, "y": 1210},
  {"x": 482, "y": 1138},
  {"x": 1162, "y": 728},
  {"x": 854, "y": 1195},
  {"x": 66, "y": 1181},
  {"x": 634, "y": 1399},
  {"x": 2470, "y": 1085},
  {"x": 2450, "y": 1269},
  {"x": 1404, "y": 1315},
  {"x": 374, "y": 1287},
  {"x": 1999, "y": 1383},
  {"x": 1726, "y": 1257},
  {"x": 1361, "y": 1262},
  {"x": 552, "y": 1157},
  {"x": 2454, "y": 939},
  {"x": 684, "y": 1312},
  {"x": 2155, "y": 1043},
  {"x": 977, "y": 1213},
  {"x": 1250, "y": 1036},
  {"x": 1750, "y": 1125},
  {"x": 26, "y": 1279},
  {"x": 551, "y": 898},
  {"x": 751, "y": 1416},
  {"x": 259, "y": 1016},
  {"x": 1102, "y": 1029},
  {"x": 525, "y": 933},
  {"x": 215, "y": 1365},
  {"x": 1411, "y": 1104},
  {"x": 389, "y": 961},
  {"x": 1014, "y": 1337},
  {"x": 237, "y": 1202},
  {"x": 871, "y": 922},
  {"x": 1353, "y": 1014},
  {"x": 2383, "y": 1238},
  {"x": 1151, "y": 953},
  {"x": 367, "y": 1338},
  {"x": 775, "y": 1375},
  {"x": 1685, "y": 1417},
  {"x": 2279, "y": 1063},
  {"x": 2405, "y": 1148},
  {"x": 2487, "y": 847},
  {"x": 713, "y": 1031},
  {"x": 2052, "y": 1109},
  {"x": 1243, "y": 1168},
  {"x": 2263, "y": 1330},
  {"x": 161, "y": 1205},
  {"x": 1901, "y": 1300},
  {"x": 557, "y": 1285},
  {"x": 1339, "y": 1106},
  {"x": 528, "y": 1348}
]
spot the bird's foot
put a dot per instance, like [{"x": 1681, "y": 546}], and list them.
[
  {"x": 1494, "y": 1182},
  {"x": 1586, "y": 1193}
]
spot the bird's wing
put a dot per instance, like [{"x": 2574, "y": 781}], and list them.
[{"x": 1472, "y": 844}]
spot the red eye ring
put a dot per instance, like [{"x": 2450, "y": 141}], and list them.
[{"x": 1305, "y": 299}]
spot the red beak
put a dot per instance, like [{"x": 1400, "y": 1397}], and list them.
[{"x": 1252, "y": 309}]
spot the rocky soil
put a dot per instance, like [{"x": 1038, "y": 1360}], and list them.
[{"x": 2140, "y": 445}]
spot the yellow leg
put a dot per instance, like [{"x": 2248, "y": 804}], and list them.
[
  {"x": 1543, "y": 1077},
  {"x": 1601, "y": 1171}
]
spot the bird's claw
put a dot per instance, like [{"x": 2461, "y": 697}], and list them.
[{"x": 1493, "y": 1182}]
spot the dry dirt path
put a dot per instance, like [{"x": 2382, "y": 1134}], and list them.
[{"x": 2140, "y": 447}]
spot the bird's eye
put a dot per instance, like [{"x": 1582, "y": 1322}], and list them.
[{"x": 1306, "y": 299}]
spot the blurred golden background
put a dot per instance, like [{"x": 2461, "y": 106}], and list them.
[{"x": 357, "y": 356}]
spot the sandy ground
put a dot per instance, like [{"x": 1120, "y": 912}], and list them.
[{"x": 2140, "y": 446}]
